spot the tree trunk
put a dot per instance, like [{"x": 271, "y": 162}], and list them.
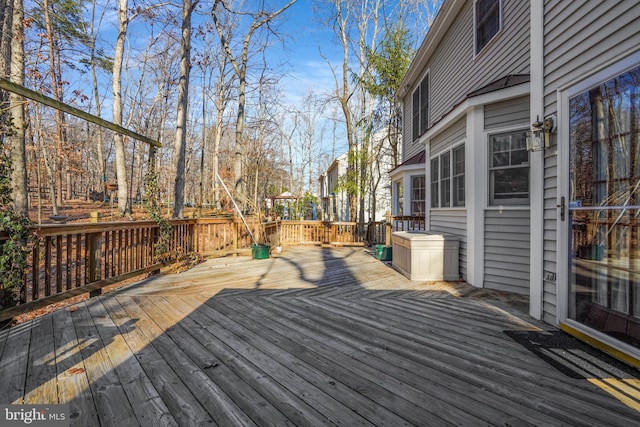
[
  {"x": 124, "y": 208},
  {"x": 240, "y": 67},
  {"x": 96, "y": 95},
  {"x": 19, "y": 186},
  {"x": 180, "y": 146},
  {"x": 57, "y": 95}
]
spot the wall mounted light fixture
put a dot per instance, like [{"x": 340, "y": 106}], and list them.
[{"x": 539, "y": 137}]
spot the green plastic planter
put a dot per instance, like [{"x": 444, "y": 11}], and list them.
[
  {"x": 260, "y": 251},
  {"x": 384, "y": 252}
]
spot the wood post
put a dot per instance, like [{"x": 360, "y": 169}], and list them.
[
  {"x": 94, "y": 216},
  {"x": 234, "y": 232},
  {"x": 388, "y": 229},
  {"x": 94, "y": 255}
]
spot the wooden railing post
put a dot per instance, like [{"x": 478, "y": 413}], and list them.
[
  {"x": 235, "y": 229},
  {"x": 94, "y": 255},
  {"x": 388, "y": 229}
]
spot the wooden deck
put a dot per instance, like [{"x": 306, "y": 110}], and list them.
[{"x": 312, "y": 337}]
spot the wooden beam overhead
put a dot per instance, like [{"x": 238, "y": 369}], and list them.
[{"x": 50, "y": 102}]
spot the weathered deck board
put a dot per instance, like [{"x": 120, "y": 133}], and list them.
[
  {"x": 107, "y": 389},
  {"x": 312, "y": 337},
  {"x": 213, "y": 398},
  {"x": 73, "y": 383},
  {"x": 41, "y": 386},
  {"x": 150, "y": 409},
  {"x": 381, "y": 378},
  {"x": 13, "y": 365},
  {"x": 241, "y": 367},
  {"x": 184, "y": 406}
]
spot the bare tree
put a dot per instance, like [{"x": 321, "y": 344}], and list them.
[
  {"x": 16, "y": 138},
  {"x": 124, "y": 205},
  {"x": 124, "y": 208},
  {"x": 239, "y": 62},
  {"x": 95, "y": 62},
  {"x": 180, "y": 145},
  {"x": 341, "y": 20}
]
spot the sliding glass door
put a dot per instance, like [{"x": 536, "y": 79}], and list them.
[{"x": 604, "y": 207}]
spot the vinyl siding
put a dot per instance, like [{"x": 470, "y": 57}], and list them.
[
  {"x": 507, "y": 250},
  {"x": 579, "y": 37},
  {"x": 450, "y": 137},
  {"x": 550, "y": 226},
  {"x": 409, "y": 147},
  {"x": 454, "y": 71},
  {"x": 507, "y": 113},
  {"x": 452, "y": 221}
]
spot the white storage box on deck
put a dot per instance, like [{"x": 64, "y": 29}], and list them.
[{"x": 425, "y": 256}]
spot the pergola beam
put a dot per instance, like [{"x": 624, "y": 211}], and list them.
[{"x": 50, "y": 102}]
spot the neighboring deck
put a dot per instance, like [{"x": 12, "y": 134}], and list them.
[{"x": 312, "y": 337}]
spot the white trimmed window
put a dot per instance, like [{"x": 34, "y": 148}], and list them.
[
  {"x": 399, "y": 198},
  {"x": 418, "y": 195},
  {"x": 420, "y": 109},
  {"x": 508, "y": 168},
  {"x": 447, "y": 179},
  {"x": 487, "y": 21}
]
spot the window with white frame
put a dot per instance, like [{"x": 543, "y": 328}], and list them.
[
  {"x": 487, "y": 21},
  {"x": 418, "y": 195},
  {"x": 447, "y": 179},
  {"x": 399, "y": 198},
  {"x": 508, "y": 168},
  {"x": 435, "y": 182},
  {"x": 457, "y": 164},
  {"x": 420, "y": 108}
]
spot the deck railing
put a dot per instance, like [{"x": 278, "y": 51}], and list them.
[
  {"x": 72, "y": 259},
  {"x": 322, "y": 232}
]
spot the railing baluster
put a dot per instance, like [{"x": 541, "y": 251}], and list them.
[
  {"x": 69, "y": 261},
  {"x": 35, "y": 275},
  {"x": 78, "y": 266},
  {"x": 58, "y": 263},
  {"x": 47, "y": 266}
]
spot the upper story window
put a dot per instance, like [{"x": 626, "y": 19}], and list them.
[
  {"x": 420, "y": 108},
  {"x": 447, "y": 179},
  {"x": 508, "y": 168},
  {"x": 487, "y": 21}
]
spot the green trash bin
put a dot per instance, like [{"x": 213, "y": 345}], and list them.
[
  {"x": 260, "y": 251},
  {"x": 384, "y": 252}
]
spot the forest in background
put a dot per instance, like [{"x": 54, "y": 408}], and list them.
[{"x": 200, "y": 77}]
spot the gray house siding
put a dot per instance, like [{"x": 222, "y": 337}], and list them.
[
  {"x": 454, "y": 72},
  {"x": 578, "y": 38},
  {"x": 452, "y": 222},
  {"x": 409, "y": 147},
  {"x": 550, "y": 225},
  {"x": 507, "y": 113},
  {"x": 450, "y": 137},
  {"x": 507, "y": 249},
  {"x": 581, "y": 37}
]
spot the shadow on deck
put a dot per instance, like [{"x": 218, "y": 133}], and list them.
[{"x": 312, "y": 337}]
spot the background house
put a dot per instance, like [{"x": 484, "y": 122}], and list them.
[
  {"x": 487, "y": 74},
  {"x": 334, "y": 202},
  {"x": 376, "y": 195}
]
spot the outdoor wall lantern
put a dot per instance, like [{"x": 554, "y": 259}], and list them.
[{"x": 540, "y": 135}]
